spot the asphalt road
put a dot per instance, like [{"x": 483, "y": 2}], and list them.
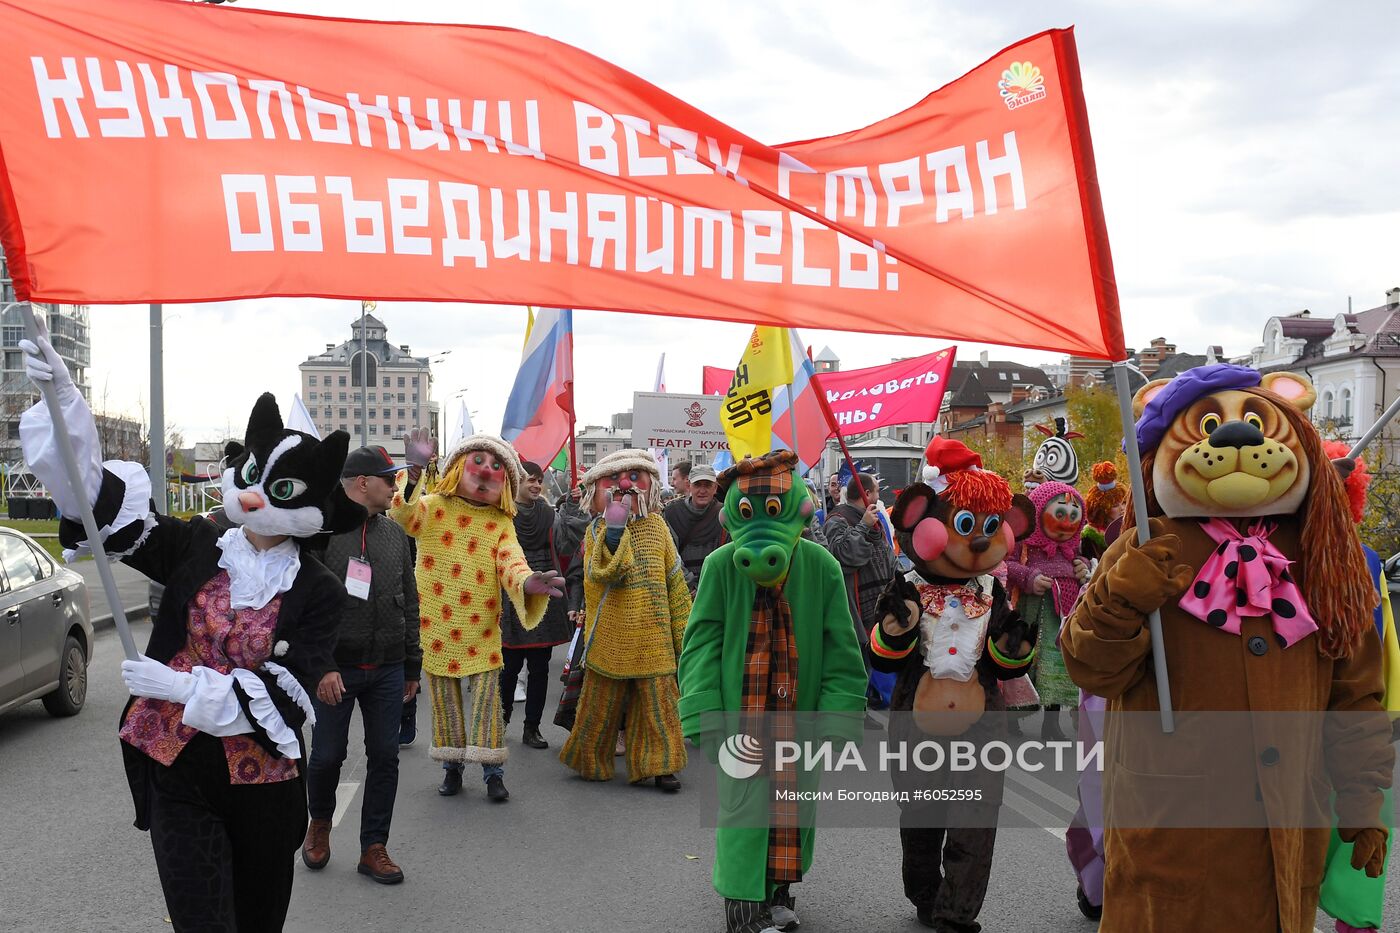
[
  {"x": 132, "y": 587},
  {"x": 560, "y": 855}
]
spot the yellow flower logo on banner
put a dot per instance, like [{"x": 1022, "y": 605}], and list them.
[{"x": 1021, "y": 83}]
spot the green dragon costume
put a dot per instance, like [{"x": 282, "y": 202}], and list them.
[{"x": 769, "y": 637}]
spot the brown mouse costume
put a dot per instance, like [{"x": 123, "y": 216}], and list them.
[{"x": 949, "y": 633}]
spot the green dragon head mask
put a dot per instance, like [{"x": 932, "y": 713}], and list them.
[{"x": 765, "y": 509}]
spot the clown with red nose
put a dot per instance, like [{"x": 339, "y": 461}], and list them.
[
  {"x": 636, "y": 605},
  {"x": 1047, "y": 569},
  {"x": 469, "y": 560}
]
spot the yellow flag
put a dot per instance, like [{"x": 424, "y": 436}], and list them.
[
  {"x": 529, "y": 326},
  {"x": 747, "y": 414}
]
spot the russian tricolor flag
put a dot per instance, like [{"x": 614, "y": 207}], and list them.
[
  {"x": 539, "y": 413},
  {"x": 809, "y": 415}
]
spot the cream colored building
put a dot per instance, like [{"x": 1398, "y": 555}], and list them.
[{"x": 398, "y": 392}]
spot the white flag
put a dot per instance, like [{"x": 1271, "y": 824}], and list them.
[
  {"x": 461, "y": 424},
  {"x": 661, "y": 455},
  {"x": 299, "y": 419}
]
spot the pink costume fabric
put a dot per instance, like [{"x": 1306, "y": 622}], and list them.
[
  {"x": 1084, "y": 836},
  {"x": 1246, "y": 576},
  {"x": 1039, "y": 554},
  {"x": 220, "y": 638}
]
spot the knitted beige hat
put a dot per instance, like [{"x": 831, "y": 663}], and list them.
[
  {"x": 626, "y": 459},
  {"x": 619, "y": 460},
  {"x": 495, "y": 446}
]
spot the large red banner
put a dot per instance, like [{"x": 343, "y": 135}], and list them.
[{"x": 157, "y": 150}]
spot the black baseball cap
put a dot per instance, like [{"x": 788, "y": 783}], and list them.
[{"x": 369, "y": 461}]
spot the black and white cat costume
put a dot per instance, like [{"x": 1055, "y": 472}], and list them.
[{"x": 224, "y": 848}]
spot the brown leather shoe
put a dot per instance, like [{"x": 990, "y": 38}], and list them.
[
  {"x": 376, "y": 863},
  {"x": 316, "y": 850}
]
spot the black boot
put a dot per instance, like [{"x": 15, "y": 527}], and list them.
[
  {"x": 1085, "y": 908},
  {"x": 1050, "y": 725},
  {"x": 496, "y": 789},
  {"x": 451, "y": 782},
  {"x": 533, "y": 738}
]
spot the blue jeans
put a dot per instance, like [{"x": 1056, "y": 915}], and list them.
[
  {"x": 380, "y": 695},
  {"x": 487, "y": 771}
]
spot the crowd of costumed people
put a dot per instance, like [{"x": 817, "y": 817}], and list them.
[{"x": 743, "y": 604}]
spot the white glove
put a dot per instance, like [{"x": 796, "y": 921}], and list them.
[
  {"x": 43, "y": 364},
  {"x": 146, "y": 678}
]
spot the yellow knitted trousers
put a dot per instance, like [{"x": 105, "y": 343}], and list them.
[
  {"x": 479, "y": 737},
  {"x": 655, "y": 745}
]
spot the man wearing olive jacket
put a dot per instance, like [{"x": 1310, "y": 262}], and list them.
[{"x": 377, "y": 662}]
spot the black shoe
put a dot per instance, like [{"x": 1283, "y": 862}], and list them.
[
  {"x": 496, "y": 789},
  {"x": 668, "y": 782},
  {"x": 1085, "y": 908},
  {"x": 925, "y": 916},
  {"x": 451, "y": 782},
  {"x": 533, "y": 738},
  {"x": 408, "y": 733}
]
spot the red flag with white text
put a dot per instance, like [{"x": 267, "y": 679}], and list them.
[{"x": 256, "y": 153}]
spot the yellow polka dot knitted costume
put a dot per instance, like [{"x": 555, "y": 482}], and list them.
[
  {"x": 467, "y": 555},
  {"x": 636, "y": 597}
]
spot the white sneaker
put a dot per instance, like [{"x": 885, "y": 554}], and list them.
[
  {"x": 785, "y": 918},
  {"x": 519, "y": 692}
]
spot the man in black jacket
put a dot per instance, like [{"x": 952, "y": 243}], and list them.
[
  {"x": 856, "y": 536},
  {"x": 377, "y": 662},
  {"x": 694, "y": 522}
]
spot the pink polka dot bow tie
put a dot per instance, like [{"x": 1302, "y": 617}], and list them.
[{"x": 1246, "y": 576}]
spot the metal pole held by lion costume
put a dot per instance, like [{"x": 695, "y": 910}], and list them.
[{"x": 1154, "y": 621}]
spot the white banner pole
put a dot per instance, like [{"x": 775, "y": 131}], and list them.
[
  {"x": 1154, "y": 621},
  {"x": 75, "y": 481}
]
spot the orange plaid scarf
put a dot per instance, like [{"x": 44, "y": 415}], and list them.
[{"x": 770, "y": 684}]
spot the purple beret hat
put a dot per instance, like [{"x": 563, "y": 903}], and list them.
[{"x": 1185, "y": 389}]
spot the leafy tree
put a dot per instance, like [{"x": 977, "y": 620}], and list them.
[
  {"x": 1094, "y": 413},
  {"x": 1381, "y": 526},
  {"x": 1004, "y": 457}
]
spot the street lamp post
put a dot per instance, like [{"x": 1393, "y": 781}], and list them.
[
  {"x": 365, "y": 308},
  {"x": 157, "y": 442}
]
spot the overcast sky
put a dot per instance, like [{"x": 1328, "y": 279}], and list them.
[{"x": 1246, "y": 153}]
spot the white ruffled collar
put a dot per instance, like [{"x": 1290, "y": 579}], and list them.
[{"x": 257, "y": 576}]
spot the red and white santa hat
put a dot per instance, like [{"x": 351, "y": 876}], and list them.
[{"x": 943, "y": 456}]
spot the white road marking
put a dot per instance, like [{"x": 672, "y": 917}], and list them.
[
  {"x": 1053, "y": 794},
  {"x": 1034, "y": 813},
  {"x": 344, "y": 796}
]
